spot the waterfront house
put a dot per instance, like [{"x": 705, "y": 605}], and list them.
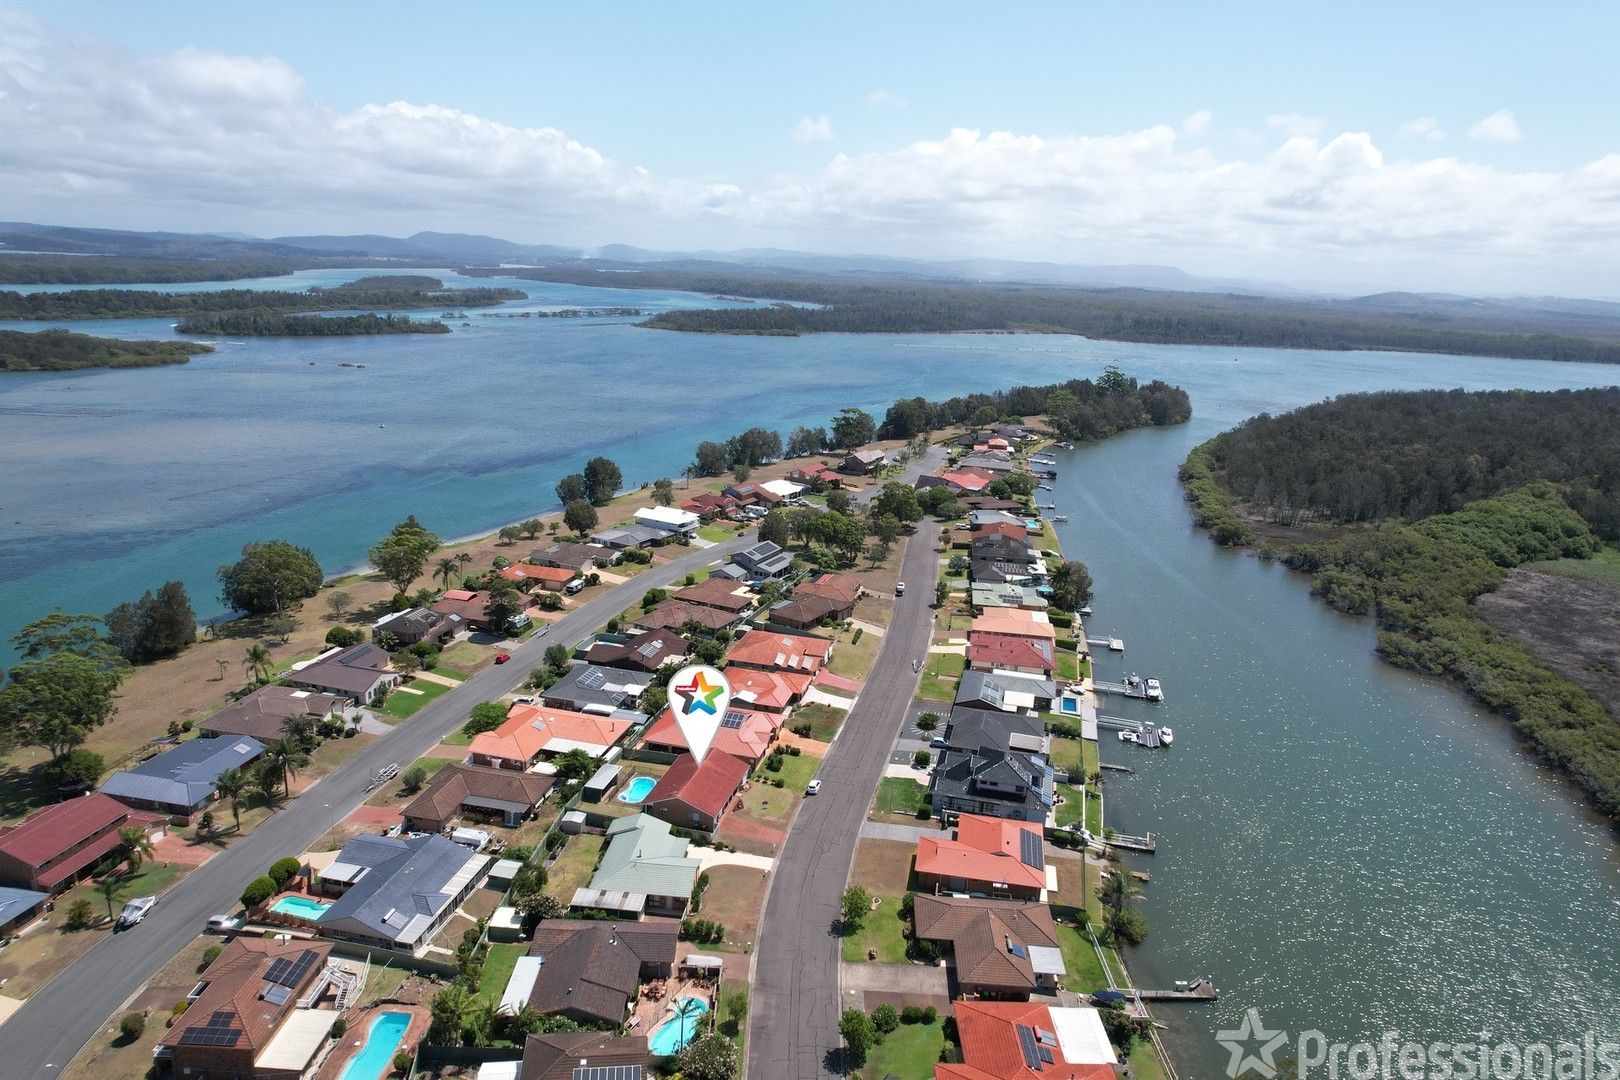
[
  {"x": 600, "y": 691},
  {"x": 1017, "y": 533},
  {"x": 557, "y": 1055},
  {"x": 718, "y": 592},
  {"x": 784, "y": 491},
  {"x": 1005, "y": 1040},
  {"x": 975, "y": 504},
  {"x": 973, "y": 729},
  {"x": 1007, "y": 653},
  {"x": 248, "y": 1017},
  {"x": 669, "y": 520},
  {"x": 743, "y": 733},
  {"x": 1005, "y": 691},
  {"x": 621, "y": 537},
  {"x": 1001, "y": 514},
  {"x": 994, "y": 462},
  {"x": 1007, "y": 594},
  {"x": 54, "y": 847},
  {"x": 568, "y": 555},
  {"x": 644, "y": 652},
  {"x": 643, "y": 870},
  {"x": 694, "y": 796},
  {"x": 264, "y": 713},
  {"x": 180, "y": 782},
  {"x": 471, "y": 606},
  {"x": 532, "y": 577},
  {"x": 960, "y": 481},
  {"x": 816, "y": 475},
  {"x": 535, "y": 731},
  {"x": 998, "y": 546},
  {"x": 397, "y": 893},
  {"x": 987, "y": 855},
  {"x": 416, "y": 624},
  {"x": 1011, "y": 784},
  {"x": 1016, "y": 622},
  {"x": 748, "y": 495},
  {"x": 589, "y": 970},
  {"x": 863, "y": 462},
  {"x": 460, "y": 789},
  {"x": 675, "y": 614},
  {"x": 758, "y": 562},
  {"x": 359, "y": 673},
  {"x": 710, "y": 505},
  {"x": 1001, "y": 949},
  {"x": 773, "y": 650}
]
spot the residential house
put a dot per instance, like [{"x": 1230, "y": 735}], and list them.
[
  {"x": 264, "y": 713},
  {"x": 535, "y": 731},
  {"x": 994, "y": 462},
  {"x": 984, "y": 571},
  {"x": 532, "y": 577},
  {"x": 476, "y": 790},
  {"x": 416, "y": 624},
  {"x": 471, "y": 606},
  {"x": 695, "y": 796},
  {"x": 1001, "y": 949},
  {"x": 961, "y": 481},
  {"x": 863, "y": 462},
  {"x": 54, "y": 847},
  {"x": 710, "y": 505},
  {"x": 766, "y": 691},
  {"x": 1006, "y": 1040},
  {"x": 1000, "y": 547},
  {"x": 645, "y": 652},
  {"x": 772, "y": 650},
  {"x": 180, "y": 782},
  {"x": 568, "y": 555},
  {"x": 1005, "y": 652},
  {"x": 600, "y": 691},
  {"x": 979, "y": 730},
  {"x": 783, "y": 490},
  {"x": 1015, "y": 622},
  {"x": 1007, "y": 594},
  {"x": 743, "y": 733},
  {"x": 815, "y": 475},
  {"x": 19, "y": 907},
  {"x": 563, "y": 1055},
  {"x": 757, "y": 562},
  {"x": 675, "y": 614},
  {"x": 990, "y": 504},
  {"x": 1016, "y": 532},
  {"x": 1005, "y": 691},
  {"x": 718, "y": 592},
  {"x": 987, "y": 855},
  {"x": 397, "y": 893},
  {"x": 643, "y": 870},
  {"x": 359, "y": 673},
  {"x": 246, "y": 1018},
  {"x": 590, "y": 970},
  {"x": 1011, "y": 784},
  {"x": 669, "y": 520},
  {"x": 845, "y": 589},
  {"x": 804, "y": 612},
  {"x": 749, "y": 495},
  {"x": 622, "y": 537}
]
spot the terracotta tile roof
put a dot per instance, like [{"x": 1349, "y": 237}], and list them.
[
  {"x": 773, "y": 690},
  {"x": 966, "y": 480},
  {"x": 522, "y": 572},
  {"x": 705, "y": 788},
  {"x": 985, "y": 850},
  {"x": 1005, "y": 650},
  {"x": 455, "y": 783},
  {"x": 999, "y": 528},
  {"x": 783, "y": 652},
  {"x": 467, "y": 604},
  {"x": 718, "y": 592},
  {"x": 236, "y": 980},
  {"x": 988, "y": 1032},
  {"x": 1013, "y": 621},
  {"x": 532, "y": 729},
  {"x": 744, "y": 734},
  {"x": 844, "y": 588}
]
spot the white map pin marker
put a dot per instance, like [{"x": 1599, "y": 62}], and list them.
[{"x": 699, "y": 697}]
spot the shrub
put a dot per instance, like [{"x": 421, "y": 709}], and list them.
[
  {"x": 343, "y": 636},
  {"x": 712, "y": 1057},
  {"x": 258, "y": 891},
  {"x": 549, "y": 602},
  {"x": 78, "y": 767},
  {"x": 283, "y": 870},
  {"x": 801, "y": 730},
  {"x": 178, "y": 1008},
  {"x": 211, "y": 954},
  {"x": 921, "y": 759},
  {"x": 78, "y": 914},
  {"x": 131, "y": 1026},
  {"x": 339, "y": 1026},
  {"x": 857, "y": 1031},
  {"x": 912, "y": 1014},
  {"x": 403, "y": 1062},
  {"x": 885, "y": 1018},
  {"x": 412, "y": 781}
]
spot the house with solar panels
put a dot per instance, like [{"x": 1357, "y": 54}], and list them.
[
  {"x": 397, "y": 893},
  {"x": 588, "y": 688},
  {"x": 1008, "y": 783},
  {"x": 1008, "y": 1040},
  {"x": 988, "y": 857},
  {"x": 255, "y": 1012},
  {"x": 1001, "y": 949},
  {"x": 586, "y": 1055}
]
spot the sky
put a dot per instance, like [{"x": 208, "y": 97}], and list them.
[{"x": 1464, "y": 147}]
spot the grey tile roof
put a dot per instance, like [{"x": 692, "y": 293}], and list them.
[
  {"x": 977, "y": 729},
  {"x": 989, "y": 777},
  {"x": 185, "y": 775},
  {"x": 587, "y": 685},
  {"x": 403, "y": 888},
  {"x": 984, "y": 689}
]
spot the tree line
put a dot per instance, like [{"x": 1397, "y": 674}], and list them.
[
  {"x": 95, "y": 269},
  {"x": 1077, "y": 409},
  {"x": 1112, "y": 314},
  {"x": 262, "y": 322},
  {"x": 63, "y": 350},
  {"x": 400, "y": 291}
]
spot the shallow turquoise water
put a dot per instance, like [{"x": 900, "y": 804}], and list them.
[
  {"x": 376, "y": 1058},
  {"x": 638, "y": 789},
  {"x": 673, "y": 1034},
  {"x": 301, "y": 907}
]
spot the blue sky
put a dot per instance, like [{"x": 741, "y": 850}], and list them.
[{"x": 686, "y": 120}]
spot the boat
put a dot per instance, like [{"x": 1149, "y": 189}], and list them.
[
  {"x": 1166, "y": 736},
  {"x": 1060, "y": 517},
  {"x": 1048, "y": 506},
  {"x": 1153, "y": 690},
  {"x": 1127, "y": 736},
  {"x": 1085, "y": 611}
]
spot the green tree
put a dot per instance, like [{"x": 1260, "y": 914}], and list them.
[
  {"x": 942, "y": 592},
  {"x": 269, "y": 577},
  {"x": 712, "y": 1057},
  {"x": 574, "y": 765},
  {"x": 572, "y": 488},
  {"x": 887, "y": 530},
  {"x": 505, "y": 604},
  {"x": 602, "y": 480},
  {"x": 449, "y": 1009},
  {"x": 1071, "y": 585},
  {"x": 134, "y": 845},
  {"x": 906, "y": 418},
  {"x": 532, "y": 528},
  {"x": 289, "y": 757},
  {"x": 339, "y": 602},
  {"x": 580, "y": 517},
  {"x": 259, "y": 890},
  {"x": 54, "y": 701},
  {"x": 401, "y": 556},
  {"x": 157, "y": 625},
  {"x": 130, "y": 1027},
  {"x": 712, "y": 459},
  {"x": 284, "y": 870},
  {"x": 858, "y": 1034},
  {"x": 266, "y": 778},
  {"x": 664, "y": 491},
  {"x": 445, "y": 571},
  {"x": 258, "y": 662},
  {"x": 485, "y": 716},
  {"x": 855, "y": 905},
  {"x": 1119, "y": 891},
  {"x": 60, "y": 632},
  {"x": 76, "y": 768},
  {"x": 111, "y": 887},
  {"x": 851, "y": 428},
  {"x": 775, "y": 528},
  {"x": 899, "y": 501},
  {"x": 885, "y": 1018},
  {"x": 412, "y": 780},
  {"x": 232, "y": 784}
]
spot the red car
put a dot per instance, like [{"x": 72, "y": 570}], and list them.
[{"x": 501, "y": 658}]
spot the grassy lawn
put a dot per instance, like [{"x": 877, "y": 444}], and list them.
[
  {"x": 909, "y": 1052},
  {"x": 882, "y": 931},
  {"x": 824, "y": 720},
  {"x": 1094, "y": 811},
  {"x": 1072, "y": 807},
  {"x": 897, "y": 795},
  {"x": 717, "y": 533},
  {"x": 1067, "y": 754},
  {"x": 498, "y": 967},
  {"x": 764, "y": 801},
  {"x": 940, "y": 676},
  {"x": 1068, "y": 666},
  {"x": 457, "y": 738},
  {"x": 402, "y": 705},
  {"x": 1604, "y": 567},
  {"x": 796, "y": 772},
  {"x": 731, "y": 1029},
  {"x": 853, "y": 659},
  {"x": 1088, "y": 751},
  {"x": 1085, "y": 972},
  {"x": 1145, "y": 1063},
  {"x": 574, "y": 866}
]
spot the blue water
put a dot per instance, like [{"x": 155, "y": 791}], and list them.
[
  {"x": 673, "y": 1034},
  {"x": 299, "y": 907},
  {"x": 376, "y": 1058},
  {"x": 638, "y": 789}
]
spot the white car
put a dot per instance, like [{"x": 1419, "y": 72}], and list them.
[
  {"x": 135, "y": 911},
  {"x": 224, "y": 924},
  {"x": 813, "y": 788},
  {"x": 899, "y": 588}
]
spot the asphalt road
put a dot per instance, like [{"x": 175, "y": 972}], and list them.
[
  {"x": 794, "y": 1003},
  {"x": 56, "y": 1022}
]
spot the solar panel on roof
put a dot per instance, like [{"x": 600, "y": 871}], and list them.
[
  {"x": 1027, "y": 1046},
  {"x": 276, "y": 995},
  {"x": 1046, "y": 1055},
  {"x": 290, "y": 970},
  {"x": 594, "y": 678},
  {"x": 1045, "y": 1036},
  {"x": 649, "y": 649},
  {"x": 608, "y": 1072},
  {"x": 732, "y": 719},
  {"x": 1030, "y": 850}
]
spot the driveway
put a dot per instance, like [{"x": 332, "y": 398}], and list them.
[
  {"x": 56, "y": 1022},
  {"x": 794, "y": 1004},
  {"x": 911, "y": 979}
]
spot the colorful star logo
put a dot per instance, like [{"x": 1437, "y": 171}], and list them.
[{"x": 700, "y": 695}]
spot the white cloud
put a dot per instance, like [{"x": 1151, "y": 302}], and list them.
[
  {"x": 191, "y": 140},
  {"x": 884, "y": 99},
  {"x": 1500, "y": 127},
  {"x": 1198, "y": 123},
  {"x": 812, "y": 129},
  {"x": 1296, "y": 124},
  {"x": 1424, "y": 127}
]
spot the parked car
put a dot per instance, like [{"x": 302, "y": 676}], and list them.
[
  {"x": 938, "y": 742},
  {"x": 135, "y": 911},
  {"x": 813, "y": 788},
  {"x": 899, "y": 588},
  {"x": 503, "y": 657},
  {"x": 574, "y": 586},
  {"x": 225, "y": 924}
]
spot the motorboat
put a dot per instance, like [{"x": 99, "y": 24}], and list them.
[
  {"x": 1153, "y": 690},
  {"x": 1060, "y": 517},
  {"x": 1085, "y": 612},
  {"x": 1127, "y": 736},
  {"x": 1166, "y": 736}
]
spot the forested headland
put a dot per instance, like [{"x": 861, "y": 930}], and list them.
[
  {"x": 114, "y": 269},
  {"x": 396, "y": 292},
  {"x": 259, "y": 322},
  {"x": 63, "y": 350},
  {"x": 1113, "y": 314},
  {"x": 1450, "y": 491}
]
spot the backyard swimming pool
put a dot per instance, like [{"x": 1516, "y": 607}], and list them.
[
  {"x": 300, "y": 907},
  {"x": 673, "y": 1034},
  {"x": 638, "y": 789},
  {"x": 376, "y": 1058}
]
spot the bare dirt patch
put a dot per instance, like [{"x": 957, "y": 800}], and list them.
[
  {"x": 883, "y": 866},
  {"x": 1571, "y": 625}
]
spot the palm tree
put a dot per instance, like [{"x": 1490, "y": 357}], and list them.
[
  {"x": 464, "y": 557},
  {"x": 257, "y": 662},
  {"x": 134, "y": 845},
  {"x": 446, "y": 569},
  {"x": 289, "y": 757},
  {"x": 266, "y": 778},
  {"x": 231, "y": 784},
  {"x": 1119, "y": 890},
  {"x": 224, "y": 666},
  {"x": 109, "y": 887}
]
